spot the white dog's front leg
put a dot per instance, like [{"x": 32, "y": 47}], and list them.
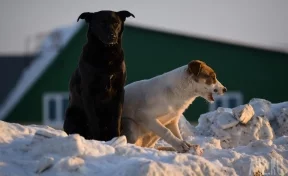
[
  {"x": 174, "y": 128},
  {"x": 155, "y": 126}
]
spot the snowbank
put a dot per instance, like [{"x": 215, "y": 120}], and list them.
[
  {"x": 258, "y": 120},
  {"x": 231, "y": 147}
]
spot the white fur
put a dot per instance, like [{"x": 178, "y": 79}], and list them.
[{"x": 152, "y": 107}]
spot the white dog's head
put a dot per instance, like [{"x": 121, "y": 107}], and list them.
[{"x": 205, "y": 80}]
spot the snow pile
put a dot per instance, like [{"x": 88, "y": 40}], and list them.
[
  {"x": 41, "y": 150},
  {"x": 32, "y": 150},
  {"x": 257, "y": 120}
]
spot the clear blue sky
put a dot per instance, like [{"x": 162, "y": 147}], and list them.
[{"x": 262, "y": 22}]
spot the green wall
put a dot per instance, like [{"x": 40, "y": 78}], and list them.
[
  {"x": 254, "y": 72},
  {"x": 55, "y": 78}
]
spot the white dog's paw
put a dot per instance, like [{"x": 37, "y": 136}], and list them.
[
  {"x": 182, "y": 147},
  {"x": 196, "y": 150}
]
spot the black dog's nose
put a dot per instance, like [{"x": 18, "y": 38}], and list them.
[{"x": 224, "y": 89}]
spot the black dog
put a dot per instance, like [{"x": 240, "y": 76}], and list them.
[{"x": 97, "y": 85}]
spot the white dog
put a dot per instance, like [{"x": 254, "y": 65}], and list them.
[{"x": 152, "y": 107}]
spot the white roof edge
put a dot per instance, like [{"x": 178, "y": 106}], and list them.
[
  {"x": 206, "y": 37},
  {"x": 32, "y": 73}
]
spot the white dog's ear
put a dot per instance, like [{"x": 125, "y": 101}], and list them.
[{"x": 194, "y": 67}]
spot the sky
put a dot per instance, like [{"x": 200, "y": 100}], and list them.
[{"x": 260, "y": 23}]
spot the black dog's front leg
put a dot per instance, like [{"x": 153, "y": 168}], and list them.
[
  {"x": 115, "y": 123},
  {"x": 87, "y": 73},
  {"x": 118, "y": 84},
  {"x": 89, "y": 107}
]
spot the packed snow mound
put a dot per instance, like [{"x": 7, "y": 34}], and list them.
[
  {"x": 11, "y": 131},
  {"x": 31, "y": 150},
  {"x": 41, "y": 150},
  {"x": 257, "y": 120}
]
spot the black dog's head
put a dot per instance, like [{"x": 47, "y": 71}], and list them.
[{"x": 107, "y": 26}]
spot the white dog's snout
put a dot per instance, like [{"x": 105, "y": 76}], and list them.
[{"x": 219, "y": 88}]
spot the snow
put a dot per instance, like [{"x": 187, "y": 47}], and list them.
[
  {"x": 259, "y": 146},
  {"x": 243, "y": 113}
]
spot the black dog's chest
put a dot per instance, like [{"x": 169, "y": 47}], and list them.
[
  {"x": 108, "y": 60},
  {"x": 110, "y": 66},
  {"x": 104, "y": 86},
  {"x": 102, "y": 70},
  {"x": 103, "y": 76}
]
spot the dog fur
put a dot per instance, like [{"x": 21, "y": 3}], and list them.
[
  {"x": 97, "y": 85},
  {"x": 152, "y": 107}
]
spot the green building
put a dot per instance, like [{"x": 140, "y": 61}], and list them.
[{"x": 41, "y": 95}]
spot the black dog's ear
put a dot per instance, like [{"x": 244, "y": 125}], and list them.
[
  {"x": 86, "y": 15},
  {"x": 124, "y": 14}
]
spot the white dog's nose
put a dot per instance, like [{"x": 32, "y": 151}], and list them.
[
  {"x": 220, "y": 91},
  {"x": 219, "y": 88}
]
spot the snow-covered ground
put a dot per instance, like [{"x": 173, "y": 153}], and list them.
[{"x": 247, "y": 140}]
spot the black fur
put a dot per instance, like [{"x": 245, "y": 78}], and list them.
[{"x": 97, "y": 85}]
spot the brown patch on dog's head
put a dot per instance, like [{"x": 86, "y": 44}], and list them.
[
  {"x": 204, "y": 78},
  {"x": 201, "y": 72}
]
